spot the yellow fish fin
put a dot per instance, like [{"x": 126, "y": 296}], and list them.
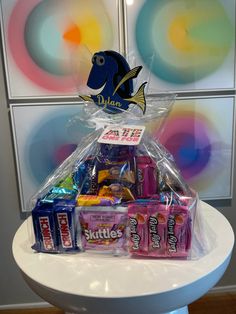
[
  {"x": 86, "y": 98},
  {"x": 139, "y": 98},
  {"x": 131, "y": 74}
]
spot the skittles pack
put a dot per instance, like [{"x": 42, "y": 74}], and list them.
[{"x": 120, "y": 191}]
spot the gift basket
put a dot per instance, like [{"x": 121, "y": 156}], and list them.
[{"x": 120, "y": 191}]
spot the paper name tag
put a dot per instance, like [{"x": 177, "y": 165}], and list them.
[{"x": 122, "y": 135}]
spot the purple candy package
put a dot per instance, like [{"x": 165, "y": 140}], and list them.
[
  {"x": 116, "y": 152},
  {"x": 104, "y": 229},
  {"x": 94, "y": 200}
]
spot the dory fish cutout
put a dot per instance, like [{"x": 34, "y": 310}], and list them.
[{"x": 111, "y": 72}]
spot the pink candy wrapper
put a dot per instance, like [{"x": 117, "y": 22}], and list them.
[
  {"x": 138, "y": 237},
  {"x": 178, "y": 231},
  {"x": 159, "y": 230},
  {"x": 146, "y": 177}
]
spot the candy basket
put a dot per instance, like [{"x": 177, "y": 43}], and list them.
[{"x": 120, "y": 192}]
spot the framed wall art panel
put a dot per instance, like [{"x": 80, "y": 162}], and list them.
[
  {"x": 199, "y": 132},
  {"x": 44, "y": 135},
  {"x": 48, "y": 44},
  {"x": 185, "y": 45}
]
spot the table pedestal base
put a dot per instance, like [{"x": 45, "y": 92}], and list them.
[
  {"x": 182, "y": 310},
  {"x": 88, "y": 284}
]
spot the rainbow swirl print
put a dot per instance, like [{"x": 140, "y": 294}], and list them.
[
  {"x": 53, "y": 138},
  {"x": 46, "y": 39},
  {"x": 200, "y": 143},
  {"x": 183, "y": 41}
]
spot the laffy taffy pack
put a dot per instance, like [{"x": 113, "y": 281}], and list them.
[
  {"x": 160, "y": 231},
  {"x": 120, "y": 191}
]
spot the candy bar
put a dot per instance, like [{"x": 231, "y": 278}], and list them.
[
  {"x": 117, "y": 190},
  {"x": 58, "y": 193},
  {"x": 138, "y": 237},
  {"x": 146, "y": 177},
  {"x": 94, "y": 200},
  {"x": 44, "y": 228},
  {"x": 85, "y": 176},
  {"x": 117, "y": 171},
  {"x": 67, "y": 184},
  {"x": 168, "y": 182},
  {"x": 178, "y": 231},
  {"x": 117, "y": 152},
  {"x": 157, "y": 230},
  {"x": 65, "y": 226}
]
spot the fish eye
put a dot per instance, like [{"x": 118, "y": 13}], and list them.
[
  {"x": 100, "y": 60},
  {"x": 94, "y": 59}
]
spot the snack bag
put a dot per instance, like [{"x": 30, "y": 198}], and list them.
[{"x": 103, "y": 229}]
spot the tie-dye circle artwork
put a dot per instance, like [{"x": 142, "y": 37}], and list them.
[
  {"x": 52, "y": 41},
  {"x": 189, "y": 140},
  {"x": 201, "y": 144},
  {"x": 45, "y": 135},
  {"x": 52, "y": 140},
  {"x": 183, "y": 41}
]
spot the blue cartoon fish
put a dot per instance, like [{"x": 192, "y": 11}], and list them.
[{"x": 111, "y": 72}]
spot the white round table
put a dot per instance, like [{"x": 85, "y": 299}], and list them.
[{"x": 98, "y": 284}]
